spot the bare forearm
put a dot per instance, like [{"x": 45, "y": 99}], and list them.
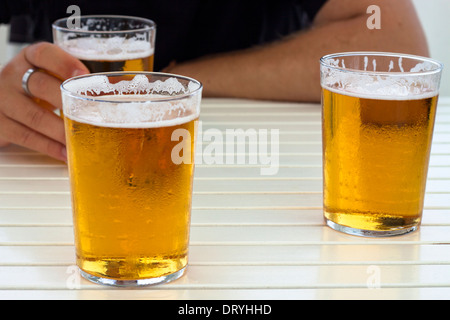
[{"x": 288, "y": 70}]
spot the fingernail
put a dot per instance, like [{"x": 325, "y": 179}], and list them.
[{"x": 78, "y": 72}]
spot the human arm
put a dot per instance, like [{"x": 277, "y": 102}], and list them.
[{"x": 288, "y": 70}]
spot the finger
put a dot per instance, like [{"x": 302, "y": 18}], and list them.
[
  {"x": 55, "y": 60},
  {"x": 45, "y": 87},
  {"x": 30, "y": 114},
  {"x": 21, "y": 135},
  {"x": 4, "y": 143}
]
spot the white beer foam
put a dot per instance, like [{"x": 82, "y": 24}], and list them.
[
  {"x": 107, "y": 49},
  {"x": 99, "y": 117},
  {"x": 100, "y": 83},
  {"x": 150, "y": 107},
  {"x": 381, "y": 85}
]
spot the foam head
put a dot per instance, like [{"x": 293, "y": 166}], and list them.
[
  {"x": 106, "y": 38},
  {"x": 381, "y": 75},
  {"x": 136, "y": 100},
  {"x": 106, "y": 49}
]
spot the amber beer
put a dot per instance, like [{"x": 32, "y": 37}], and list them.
[
  {"x": 376, "y": 148},
  {"x": 144, "y": 63},
  {"x": 131, "y": 201},
  {"x": 376, "y": 160}
]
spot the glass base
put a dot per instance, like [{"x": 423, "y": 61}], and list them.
[
  {"x": 369, "y": 233},
  {"x": 133, "y": 283}
]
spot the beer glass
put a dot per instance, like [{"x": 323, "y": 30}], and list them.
[
  {"x": 130, "y": 145},
  {"x": 377, "y": 126},
  {"x": 108, "y": 43}
]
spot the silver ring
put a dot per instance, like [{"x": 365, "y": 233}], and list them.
[{"x": 25, "y": 79}]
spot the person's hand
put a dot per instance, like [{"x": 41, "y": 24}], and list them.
[{"x": 27, "y": 120}]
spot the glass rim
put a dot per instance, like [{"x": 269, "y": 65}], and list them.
[
  {"x": 151, "y": 24},
  {"x": 182, "y": 96},
  {"x": 438, "y": 66}
]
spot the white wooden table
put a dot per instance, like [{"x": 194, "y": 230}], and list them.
[{"x": 253, "y": 236}]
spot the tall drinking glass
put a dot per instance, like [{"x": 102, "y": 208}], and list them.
[
  {"x": 109, "y": 43},
  {"x": 130, "y": 144},
  {"x": 377, "y": 125}
]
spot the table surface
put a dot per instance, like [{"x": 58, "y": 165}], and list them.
[{"x": 253, "y": 236}]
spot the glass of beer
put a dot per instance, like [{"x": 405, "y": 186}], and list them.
[
  {"x": 130, "y": 145},
  {"x": 108, "y": 43},
  {"x": 378, "y": 112}
]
